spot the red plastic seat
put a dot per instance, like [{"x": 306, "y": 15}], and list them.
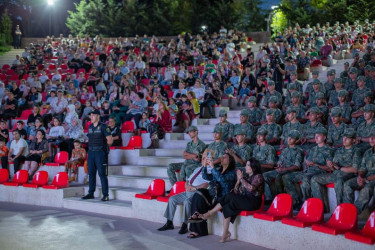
[
  {"x": 14, "y": 77},
  {"x": 25, "y": 114},
  {"x": 281, "y": 207},
  {"x": 60, "y": 159},
  {"x": 87, "y": 125},
  {"x": 312, "y": 212},
  {"x": 247, "y": 213},
  {"x": 170, "y": 94},
  {"x": 156, "y": 188},
  {"x": 127, "y": 127},
  {"x": 52, "y": 67},
  {"x": 5, "y": 67},
  {"x": 60, "y": 180},
  {"x": 4, "y": 175},
  {"x": 177, "y": 188},
  {"x": 81, "y": 70},
  {"x": 134, "y": 142},
  {"x": 343, "y": 219},
  {"x": 21, "y": 177},
  {"x": 367, "y": 234},
  {"x": 40, "y": 179}
]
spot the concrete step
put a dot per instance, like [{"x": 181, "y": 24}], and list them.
[
  {"x": 172, "y": 152},
  {"x": 138, "y": 170},
  {"x": 135, "y": 181},
  {"x": 158, "y": 160},
  {"x": 180, "y": 144},
  {"x": 118, "y": 193},
  {"x": 111, "y": 207}
]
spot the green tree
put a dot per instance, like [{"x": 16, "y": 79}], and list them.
[
  {"x": 360, "y": 10},
  {"x": 6, "y": 28},
  {"x": 279, "y": 22},
  {"x": 253, "y": 16}
]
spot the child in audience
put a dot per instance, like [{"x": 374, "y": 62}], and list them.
[
  {"x": 86, "y": 112},
  {"x": 144, "y": 122},
  {"x": 3, "y": 148},
  {"x": 21, "y": 130},
  {"x": 78, "y": 158},
  {"x": 173, "y": 108},
  {"x": 105, "y": 112},
  {"x": 243, "y": 94}
]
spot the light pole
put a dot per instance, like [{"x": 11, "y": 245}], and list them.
[{"x": 50, "y": 4}]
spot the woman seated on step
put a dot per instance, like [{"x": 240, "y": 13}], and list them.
[
  {"x": 222, "y": 181},
  {"x": 246, "y": 195}
]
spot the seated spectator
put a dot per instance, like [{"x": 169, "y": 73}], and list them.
[
  {"x": 4, "y": 133},
  {"x": 243, "y": 94},
  {"x": 161, "y": 125},
  {"x": 73, "y": 133},
  {"x": 55, "y": 137},
  {"x": 144, "y": 122},
  {"x": 136, "y": 109},
  {"x": 70, "y": 115},
  {"x": 21, "y": 130},
  {"x": 10, "y": 107},
  {"x": 120, "y": 108},
  {"x": 3, "y": 148},
  {"x": 211, "y": 97},
  {"x": 17, "y": 152},
  {"x": 38, "y": 125},
  {"x": 78, "y": 157},
  {"x": 38, "y": 148},
  {"x": 86, "y": 112},
  {"x": 115, "y": 132}
]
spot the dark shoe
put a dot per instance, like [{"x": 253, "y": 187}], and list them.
[
  {"x": 88, "y": 196},
  {"x": 166, "y": 227},
  {"x": 297, "y": 206},
  {"x": 105, "y": 198},
  {"x": 183, "y": 229},
  {"x": 192, "y": 236},
  {"x": 267, "y": 202}
]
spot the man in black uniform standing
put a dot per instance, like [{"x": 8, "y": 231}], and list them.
[{"x": 99, "y": 141}]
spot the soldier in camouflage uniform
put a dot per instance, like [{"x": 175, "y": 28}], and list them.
[
  {"x": 192, "y": 156},
  {"x": 320, "y": 103},
  {"x": 358, "y": 116},
  {"x": 288, "y": 97},
  {"x": 364, "y": 129},
  {"x": 273, "y": 106},
  {"x": 309, "y": 88},
  {"x": 351, "y": 82},
  {"x": 345, "y": 163},
  {"x": 272, "y": 92},
  {"x": 263, "y": 152},
  {"x": 273, "y": 129},
  {"x": 346, "y": 109},
  {"x": 218, "y": 146},
  {"x": 370, "y": 79},
  {"x": 225, "y": 127},
  {"x": 300, "y": 108},
  {"x": 313, "y": 94},
  {"x": 254, "y": 112},
  {"x": 345, "y": 73},
  {"x": 336, "y": 129},
  {"x": 245, "y": 126},
  {"x": 315, "y": 162},
  {"x": 294, "y": 79},
  {"x": 365, "y": 180},
  {"x": 359, "y": 93},
  {"x": 241, "y": 152},
  {"x": 290, "y": 160},
  {"x": 333, "y": 94},
  {"x": 329, "y": 84},
  {"x": 309, "y": 129},
  {"x": 292, "y": 124}
]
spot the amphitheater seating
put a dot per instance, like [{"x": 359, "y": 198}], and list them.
[
  {"x": 60, "y": 180},
  {"x": 60, "y": 159},
  {"x": 127, "y": 127},
  {"x": 156, "y": 188},
  {"x": 25, "y": 114},
  {"x": 135, "y": 142},
  {"x": 281, "y": 207},
  {"x": 40, "y": 179},
  {"x": 367, "y": 234},
  {"x": 312, "y": 212},
  {"x": 20, "y": 178},
  {"x": 4, "y": 175},
  {"x": 247, "y": 213},
  {"x": 177, "y": 188},
  {"x": 343, "y": 219}
]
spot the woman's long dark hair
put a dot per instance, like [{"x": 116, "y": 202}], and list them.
[
  {"x": 255, "y": 166},
  {"x": 232, "y": 163}
]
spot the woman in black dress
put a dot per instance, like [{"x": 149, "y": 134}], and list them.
[{"x": 246, "y": 195}]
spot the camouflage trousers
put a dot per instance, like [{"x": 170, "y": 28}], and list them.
[
  {"x": 291, "y": 180},
  {"x": 273, "y": 184},
  {"x": 364, "y": 196},
  {"x": 319, "y": 190},
  {"x": 186, "y": 171}
]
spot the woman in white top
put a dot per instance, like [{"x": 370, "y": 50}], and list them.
[
  {"x": 55, "y": 135},
  {"x": 70, "y": 115}
]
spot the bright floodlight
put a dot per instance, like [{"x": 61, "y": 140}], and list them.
[
  {"x": 50, "y": 2},
  {"x": 274, "y": 7}
]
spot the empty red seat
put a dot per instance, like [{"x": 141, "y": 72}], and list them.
[
  {"x": 4, "y": 175},
  {"x": 247, "y": 213},
  {"x": 14, "y": 77},
  {"x": 25, "y": 114},
  {"x": 312, "y": 212},
  {"x": 5, "y": 67},
  {"x": 21, "y": 177},
  {"x": 156, "y": 188},
  {"x": 177, "y": 188},
  {"x": 170, "y": 94},
  {"x": 127, "y": 127},
  {"x": 52, "y": 67},
  {"x": 134, "y": 142},
  {"x": 40, "y": 179},
  {"x": 281, "y": 207},
  {"x": 343, "y": 219},
  {"x": 60, "y": 180},
  {"x": 60, "y": 159},
  {"x": 367, "y": 234},
  {"x": 81, "y": 70}
]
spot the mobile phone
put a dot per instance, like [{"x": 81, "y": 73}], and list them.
[{"x": 209, "y": 155}]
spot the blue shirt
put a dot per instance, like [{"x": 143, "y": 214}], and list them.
[{"x": 227, "y": 180}]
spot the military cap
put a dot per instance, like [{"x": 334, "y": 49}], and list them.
[
  {"x": 350, "y": 133},
  {"x": 95, "y": 112},
  {"x": 262, "y": 131},
  {"x": 290, "y": 110},
  {"x": 368, "y": 67},
  {"x": 321, "y": 130},
  {"x": 217, "y": 130},
  {"x": 372, "y": 69},
  {"x": 296, "y": 94},
  {"x": 294, "y": 73},
  {"x": 338, "y": 79},
  {"x": 273, "y": 99},
  {"x": 372, "y": 132},
  {"x": 294, "y": 134},
  {"x": 361, "y": 60},
  {"x": 368, "y": 94},
  {"x": 271, "y": 83},
  {"x": 330, "y": 73},
  {"x": 336, "y": 111},
  {"x": 353, "y": 70},
  {"x": 191, "y": 128},
  {"x": 244, "y": 112},
  {"x": 346, "y": 63},
  {"x": 314, "y": 110},
  {"x": 239, "y": 131},
  {"x": 252, "y": 99},
  {"x": 292, "y": 86},
  {"x": 361, "y": 78},
  {"x": 270, "y": 112},
  {"x": 319, "y": 96},
  {"x": 343, "y": 93},
  {"x": 315, "y": 72},
  {"x": 333, "y": 71},
  {"x": 315, "y": 81},
  {"x": 369, "y": 108},
  {"x": 356, "y": 54},
  {"x": 222, "y": 113}
]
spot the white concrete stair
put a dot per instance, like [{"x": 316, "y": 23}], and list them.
[
  {"x": 117, "y": 193},
  {"x": 139, "y": 170},
  {"x": 140, "y": 182}
]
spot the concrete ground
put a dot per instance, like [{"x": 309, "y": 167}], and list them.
[{"x": 35, "y": 227}]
